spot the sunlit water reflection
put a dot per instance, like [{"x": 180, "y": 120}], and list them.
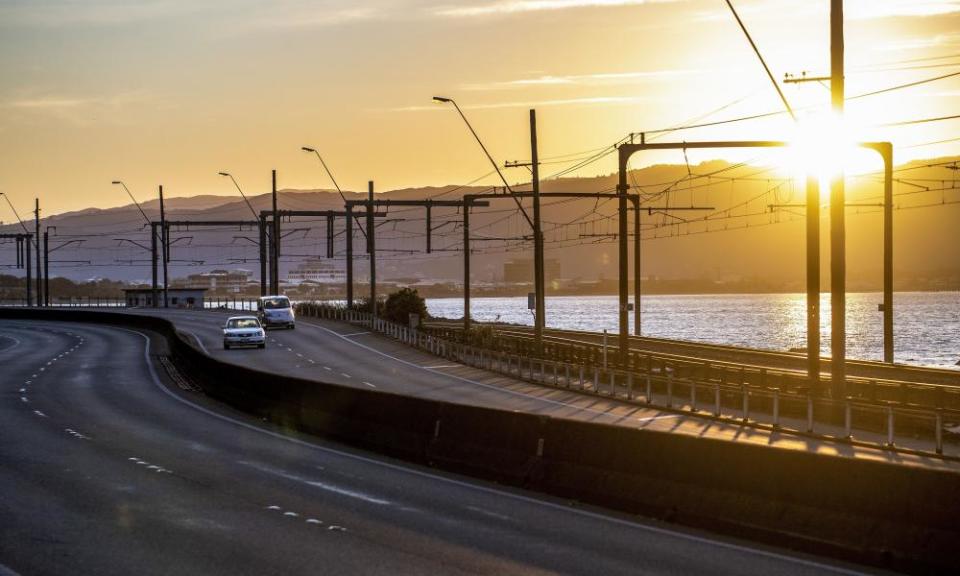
[{"x": 926, "y": 324}]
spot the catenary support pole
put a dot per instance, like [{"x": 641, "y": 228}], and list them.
[
  {"x": 46, "y": 268},
  {"x": 164, "y": 248},
  {"x": 275, "y": 239},
  {"x": 263, "y": 255},
  {"x": 466, "y": 267},
  {"x": 36, "y": 222},
  {"x": 349, "y": 234},
  {"x": 838, "y": 258},
  {"x": 372, "y": 249},
  {"x": 813, "y": 282},
  {"x": 154, "y": 291},
  {"x": 538, "y": 265}
]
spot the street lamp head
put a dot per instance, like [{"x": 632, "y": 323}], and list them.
[
  {"x": 223, "y": 173},
  {"x": 442, "y": 99},
  {"x": 307, "y": 149},
  {"x": 115, "y": 182}
]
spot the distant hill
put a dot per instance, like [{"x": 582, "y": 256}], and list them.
[{"x": 741, "y": 242}]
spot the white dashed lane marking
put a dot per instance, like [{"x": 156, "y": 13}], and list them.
[
  {"x": 345, "y": 375},
  {"x": 313, "y": 521},
  {"x": 369, "y": 384}
]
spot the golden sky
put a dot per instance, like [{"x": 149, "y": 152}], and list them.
[{"x": 172, "y": 91}]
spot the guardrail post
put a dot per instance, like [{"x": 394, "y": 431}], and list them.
[
  {"x": 746, "y": 404},
  {"x": 649, "y": 396},
  {"x": 693, "y": 396},
  {"x": 938, "y": 422},
  {"x": 543, "y": 376},
  {"x": 555, "y": 378},
  {"x": 776, "y": 408},
  {"x": 613, "y": 383},
  {"x": 596, "y": 379},
  {"x": 847, "y": 419},
  {"x": 566, "y": 375},
  {"x": 890, "y": 426},
  {"x": 581, "y": 376},
  {"x": 716, "y": 399},
  {"x": 669, "y": 389},
  {"x": 629, "y": 385},
  {"x": 810, "y": 413}
]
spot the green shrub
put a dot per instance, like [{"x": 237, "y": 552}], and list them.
[{"x": 400, "y": 304}]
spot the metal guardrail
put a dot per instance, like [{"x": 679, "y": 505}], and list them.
[
  {"x": 660, "y": 385},
  {"x": 920, "y": 395}
]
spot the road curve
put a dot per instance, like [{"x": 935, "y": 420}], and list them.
[{"x": 107, "y": 470}]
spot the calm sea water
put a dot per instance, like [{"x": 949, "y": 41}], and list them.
[{"x": 926, "y": 324}]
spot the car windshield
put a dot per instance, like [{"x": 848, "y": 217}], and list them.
[
  {"x": 243, "y": 323},
  {"x": 275, "y": 303}
]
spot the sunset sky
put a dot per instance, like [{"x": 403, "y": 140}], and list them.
[{"x": 173, "y": 91}]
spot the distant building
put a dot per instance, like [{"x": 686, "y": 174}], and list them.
[
  {"x": 231, "y": 281},
  {"x": 177, "y": 297},
  {"x": 318, "y": 272},
  {"x": 521, "y": 271}
]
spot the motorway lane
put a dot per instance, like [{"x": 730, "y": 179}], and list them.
[{"x": 106, "y": 471}]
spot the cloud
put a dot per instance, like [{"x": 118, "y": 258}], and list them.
[
  {"x": 47, "y": 103},
  {"x": 71, "y": 109},
  {"x": 767, "y": 10},
  {"x": 871, "y": 9},
  {"x": 317, "y": 17},
  {"x": 58, "y": 13},
  {"x": 920, "y": 43},
  {"x": 592, "y": 101},
  {"x": 604, "y": 79},
  {"x": 508, "y": 7}
]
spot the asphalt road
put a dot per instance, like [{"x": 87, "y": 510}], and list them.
[
  {"x": 352, "y": 356},
  {"x": 107, "y": 470}
]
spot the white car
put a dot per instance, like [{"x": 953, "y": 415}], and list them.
[
  {"x": 243, "y": 331},
  {"x": 275, "y": 311}
]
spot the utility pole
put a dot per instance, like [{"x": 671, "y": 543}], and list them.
[
  {"x": 164, "y": 248},
  {"x": 838, "y": 261},
  {"x": 372, "y": 250},
  {"x": 40, "y": 275},
  {"x": 275, "y": 244},
  {"x": 538, "y": 264}
]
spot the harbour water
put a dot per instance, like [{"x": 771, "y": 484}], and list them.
[{"x": 926, "y": 324}]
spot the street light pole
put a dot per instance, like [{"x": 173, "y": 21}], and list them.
[
  {"x": 242, "y": 195},
  {"x": 487, "y": 153}
]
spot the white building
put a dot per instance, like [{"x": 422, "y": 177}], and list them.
[{"x": 318, "y": 272}]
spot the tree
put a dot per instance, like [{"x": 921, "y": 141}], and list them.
[{"x": 402, "y": 303}]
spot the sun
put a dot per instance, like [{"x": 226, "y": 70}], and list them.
[{"x": 825, "y": 145}]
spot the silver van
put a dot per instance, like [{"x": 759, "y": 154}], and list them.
[{"x": 275, "y": 311}]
